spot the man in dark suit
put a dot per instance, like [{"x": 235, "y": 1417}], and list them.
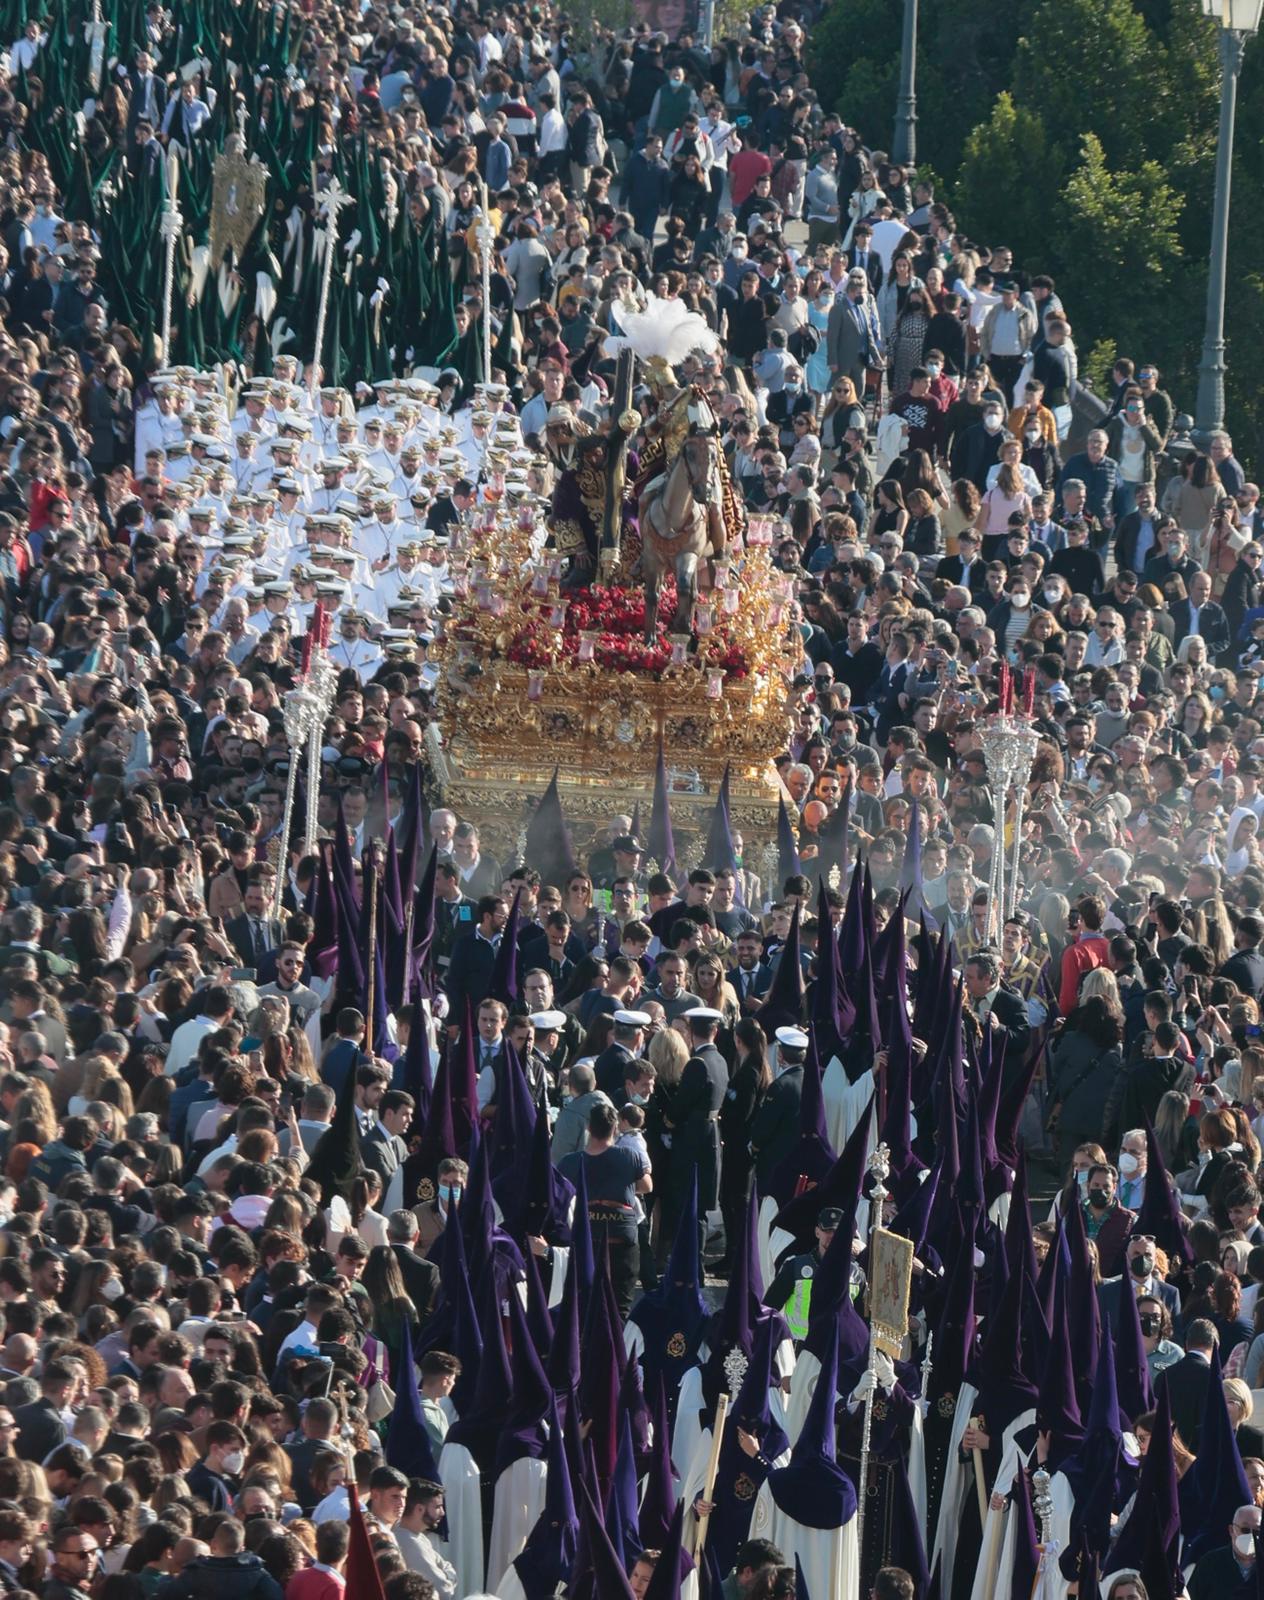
[
  {"x": 40, "y": 1428},
  {"x": 1246, "y": 965},
  {"x": 454, "y": 912},
  {"x": 1137, "y": 1279},
  {"x": 775, "y": 1128},
  {"x": 1200, "y": 614},
  {"x": 995, "y": 1005},
  {"x": 696, "y": 1113},
  {"x": 1228, "y": 1572},
  {"x": 1186, "y": 1381},
  {"x": 147, "y": 94},
  {"x": 254, "y": 933},
  {"x": 967, "y": 567},
  {"x": 344, "y": 1052},
  {"x": 421, "y": 1277},
  {"x": 626, "y": 1044},
  {"x": 474, "y": 957},
  {"x": 853, "y": 337},
  {"x": 752, "y": 975},
  {"x": 383, "y": 1147},
  {"x": 862, "y": 255}
]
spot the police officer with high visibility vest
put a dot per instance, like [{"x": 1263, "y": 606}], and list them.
[{"x": 791, "y": 1290}]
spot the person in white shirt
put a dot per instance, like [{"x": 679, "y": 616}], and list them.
[{"x": 217, "y": 1007}]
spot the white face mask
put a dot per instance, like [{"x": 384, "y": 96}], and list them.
[
  {"x": 234, "y": 1461},
  {"x": 1244, "y": 1544},
  {"x": 112, "y": 1290},
  {"x": 1052, "y": 596},
  {"x": 1020, "y": 601},
  {"x": 1128, "y": 1163},
  {"x": 1032, "y": 435},
  {"x": 992, "y": 421}
]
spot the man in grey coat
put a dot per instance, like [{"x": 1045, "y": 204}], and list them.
[
  {"x": 853, "y": 339},
  {"x": 570, "y": 1131}
]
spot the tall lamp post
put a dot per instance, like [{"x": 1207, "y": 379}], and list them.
[
  {"x": 904, "y": 145},
  {"x": 1238, "y": 20}
]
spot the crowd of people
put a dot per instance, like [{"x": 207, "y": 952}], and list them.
[{"x": 389, "y": 1220}]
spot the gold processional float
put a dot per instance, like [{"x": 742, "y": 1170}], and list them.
[{"x": 546, "y": 660}]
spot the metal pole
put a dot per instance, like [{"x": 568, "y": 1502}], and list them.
[
  {"x": 169, "y": 226},
  {"x": 879, "y": 1165},
  {"x": 287, "y": 819},
  {"x": 904, "y": 145},
  {"x": 706, "y": 23},
  {"x": 331, "y": 202},
  {"x": 486, "y": 238},
  {"x": 1209, "y": 410}
]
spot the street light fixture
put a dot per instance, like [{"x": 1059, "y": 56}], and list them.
[
  {"x": 904, "y": 145},
  {"x": 1238, "y": 20}
]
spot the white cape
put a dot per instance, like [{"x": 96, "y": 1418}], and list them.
[
  {"x": 459, "y": 1475},
  {"x": 518, "y": 1504},
  {"x": 830, "y": 1557}
]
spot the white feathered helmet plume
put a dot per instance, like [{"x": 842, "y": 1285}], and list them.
[{"x": 663, "y": 335}]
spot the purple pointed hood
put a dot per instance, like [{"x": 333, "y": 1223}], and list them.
[
  {"x": 659, "y": 1500},
  {"x": 524, "y": 1433},
  {"x": 1160, "y": 1214},
  {"x": 813, "y": 1489},
  {"x": 953, "y": 1354},
  {"x": 601, "y": 1373},
  {"x": 479, "y": 1428},
  {"x": 783, "y": 1004},
  {"x": 1057, "y": 1408},
  {"x": 839, "y": 1187},
  {"x": 662, "y": 847},
  {"x": 1150, "y": 1536},
  {"x": 548, "y": 1556},
  {"x": 752, "y": 1411},
  {"x": 788, "y": 863},
  {"x": 1215, "y": 1486},
  {"x": 1026, "y": 1540},
  {"x": 407, "y": 1442},
  {"x": 719, "y": 852},
  {"x": 548, "y": 844},
  {"x": 421, "y": 963},
  {"x": 622, "y": 1503},
  {"x": 1005, "y": 1389},
  {"x": 609, "y": 1576},
  {"x": 563, "y": 1362},
  {"x": 674, "y": 1565},
  {"x": 1132, "y": 1370},
  {"x": 1094, "y": 1470},
  {"x": 673, "y": 1317},
  {"x": 504, "y": 979}
]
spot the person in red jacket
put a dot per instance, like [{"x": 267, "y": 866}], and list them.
[
  {"x": 324, "y": 1579},
  {"x": 1088, "y": 951}
]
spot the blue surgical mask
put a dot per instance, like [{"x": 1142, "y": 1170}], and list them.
[
  {"x": 1082, "y": 1178},
  {"x": 450, "y": 1194},
  {"x": 1217, "y": 691}
]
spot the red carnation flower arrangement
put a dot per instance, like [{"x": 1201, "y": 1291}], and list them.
[{"x": 617, "y": 617}]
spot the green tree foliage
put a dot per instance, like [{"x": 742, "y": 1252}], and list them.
[
  {"x": 1092, "y": 66},
  {"x": 1116, "y": 255},
  {"x": 1002, "y": 190},
  {"x": 1083, "y": 134}
]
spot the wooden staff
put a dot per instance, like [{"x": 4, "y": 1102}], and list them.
[
  {"x": 713, "y": 1466},
  {"x": 371, "y": 981},
  {"x": 980, "y": 1486}
]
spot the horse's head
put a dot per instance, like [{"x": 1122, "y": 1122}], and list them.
[{"x": 698, "y": 454}]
